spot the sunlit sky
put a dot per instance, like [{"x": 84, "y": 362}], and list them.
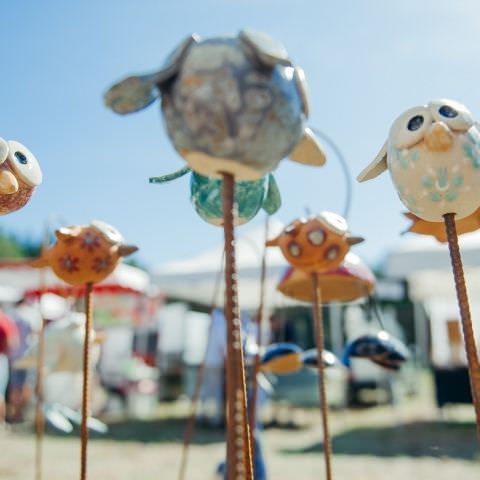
[{"x": 365, "y": 62}]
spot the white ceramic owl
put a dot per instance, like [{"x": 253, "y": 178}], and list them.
[
  {"x": 19, "y": 175},
  {"x": 433, "y": 155},
  {"x": 231, "y": 105}
]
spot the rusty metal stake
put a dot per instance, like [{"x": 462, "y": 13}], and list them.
[
  {"x": 462, "y": 297},
  {"x": 320, "y": 340},
  {"x": 239, "y": 453},
  {"x": 86, "y": 381}
]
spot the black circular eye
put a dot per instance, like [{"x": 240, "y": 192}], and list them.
[
  {"x": 316, "y": 237},
  {"x": 294, "y": 249},
  {"x": 447, "y": 111},
  {"x": 415, "y": 123},
  {"x": 21, "y": 158},
  {"x": 332, "y": 253}
]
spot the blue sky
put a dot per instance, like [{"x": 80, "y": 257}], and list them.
[{"x": 365, "y": 63}]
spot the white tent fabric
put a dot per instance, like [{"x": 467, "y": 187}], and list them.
[
  {"x": 23, "y": 277},
  {"x": 193, "y": 279}
]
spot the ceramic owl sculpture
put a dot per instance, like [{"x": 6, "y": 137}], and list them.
[
  {"x": 20, "y": 174},
  {"x": 85, "y": 254},
  {"x": 233, "y": 105},
  {"x": 433, "y": 155},
  {"x": 317, "y": 244},
  {"x": 250, "y": 196}
]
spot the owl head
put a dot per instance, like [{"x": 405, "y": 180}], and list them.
[
  {"x": 317, "y": 244},
  {"x": 20, "y": 174},
  {"x": 433, "y": 155},
  {"x": 231, "y": 104}
]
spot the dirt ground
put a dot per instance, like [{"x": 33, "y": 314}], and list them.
[{"x": 376, "y": 443}]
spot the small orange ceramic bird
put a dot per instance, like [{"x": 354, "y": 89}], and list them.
[
  {"x": 19, "y": 175},
  {"x": 437, "y": 229},
  {"x": 85, "y": 254},
  {"x": 318, "y": 244}
]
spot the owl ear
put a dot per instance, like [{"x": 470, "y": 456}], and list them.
[
  {"x": 378, "y": 166},
  {"x": 309, "y": 150},
  {"x": 4, "y": 149},
  {"x": 139, "y": 91},
  {"x": 64, "y": 233},
  {"x": 268, "y": 51}
]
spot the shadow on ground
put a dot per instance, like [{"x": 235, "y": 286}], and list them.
[
  {"x": 162, "y": 430},
  {"x": 415, "y": 439}
]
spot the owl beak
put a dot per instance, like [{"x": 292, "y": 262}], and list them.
[
  {"x": 8, "y": 183},
  {"x": 439, "y": 137}
]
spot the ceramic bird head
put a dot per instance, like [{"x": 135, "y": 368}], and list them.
[
  {"x": 318, "y": 244},
  {"x": 230, "y": 104},
  {"x": 350, "y": 281},
  {"x": 381, "y": 348},
  {"x": 250, "y": 196},
  {"x": 433, "y": 155},
  {"x": 85, "y": 254},
  {"x": 20, "y": 174}
]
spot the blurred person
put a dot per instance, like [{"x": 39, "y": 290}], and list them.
[{"x": 9, "y": 341}]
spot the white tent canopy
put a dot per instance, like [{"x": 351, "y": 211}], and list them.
[
  {"x": 193, "y": 279},
  {"x": 22, "y": 277}
]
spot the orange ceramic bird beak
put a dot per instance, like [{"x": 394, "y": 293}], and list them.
[
  {"x": 351, "y": 240},
  {"x": 272, "y": 243},
  {"x": 439, "y": 138},
  {"x": 125, "y": 250},
  {"x": 41, "y": 262}
]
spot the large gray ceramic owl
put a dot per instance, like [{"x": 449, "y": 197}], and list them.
[
  {"x": 433, "y": 155},
  {"x": 231, "y": 105},
  {"x": 20, "y": 174}
]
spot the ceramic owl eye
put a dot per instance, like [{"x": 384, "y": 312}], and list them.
[
  {"x": 433, "y": 155},
  {"x": 19, "y": 175},
  {"x": 85, "y": 254},
  {"x": 318, "y": 244},
  {"x": 231, "y": 104},
  {"x": 350, "y": 281},
  {"x": 250, "y": 196}
]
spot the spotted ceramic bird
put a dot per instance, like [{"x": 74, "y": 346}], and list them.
[
  {"x": 250, "y": 196},
  {"x": 20, "y": 174},
  {"x": 85, "y": 254},
  {"x": 381, "y": 348},
  {"x": 433, "y": 155},
  {"x": 317, "y": 244},
  {"x": 230, "y": 104}
]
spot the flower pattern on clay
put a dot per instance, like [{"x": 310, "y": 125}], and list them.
[
  {"x": 101, "y": 264},
  {"x": 471, "y": 148},
  {"x": 90, "y": 241},
  {"x": 69, "y": 263},
  {"x": 442, "y": 185}
]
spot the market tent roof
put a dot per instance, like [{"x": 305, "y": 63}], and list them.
[
  {"x": 19, "y": 276},
  {"x": 420, "y": 252},
  {"x": 193, "y": 279}
]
